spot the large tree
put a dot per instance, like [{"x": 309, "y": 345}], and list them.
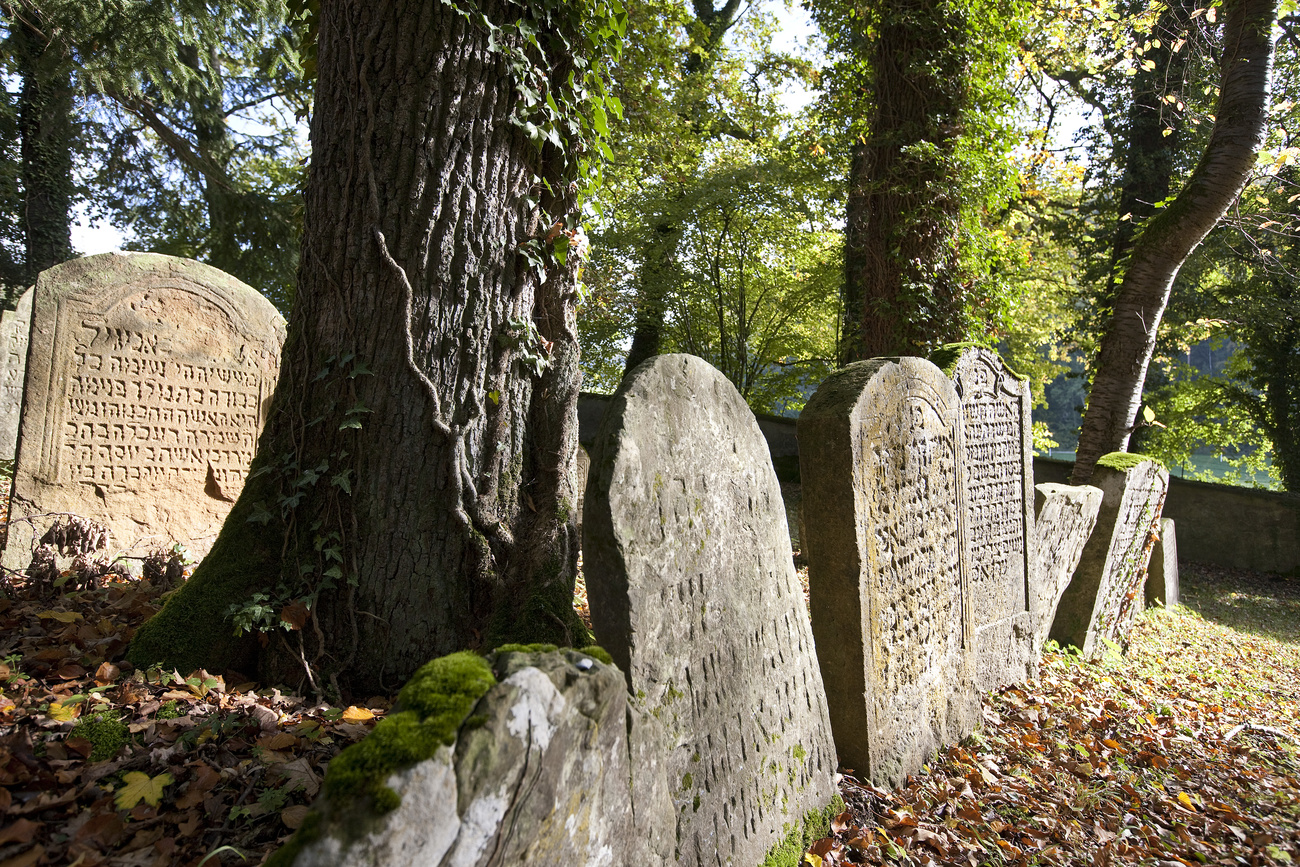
[
  {"x": 1166, "y": 240},
  {"x": 412, "y": 492}
]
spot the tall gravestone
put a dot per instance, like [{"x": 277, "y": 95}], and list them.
[
  {"x": 1064, "y": 516},
  {"x": 1162, "y": 573},
  {"x": 1106, "y": 592},
  {"x": 885, "y": 535},
  {"x": 693, "y": 592},
  {"x": 996, "y": 461},
  {"x": 146, "y": 389},
  {"x": 14, "y": 327}
]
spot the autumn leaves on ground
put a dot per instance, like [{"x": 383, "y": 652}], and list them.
[{"x": 1184, "y": 750}]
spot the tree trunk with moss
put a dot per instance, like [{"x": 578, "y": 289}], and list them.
[
  {"x": 1170, "y": 236},
  {"x": 413, "y": 487}
]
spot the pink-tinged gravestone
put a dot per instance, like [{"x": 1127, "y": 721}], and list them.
[
  {"x": 693, "y": 593},
  {"x": 997, "y": 466},
  {"x": 146, "y": 386},
  {"x": 885, "y": 536}
]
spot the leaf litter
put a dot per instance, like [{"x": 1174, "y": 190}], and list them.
[{"x": 1182, "y": 751}]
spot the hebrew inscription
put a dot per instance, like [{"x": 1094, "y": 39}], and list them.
[
  {"x": 144, "y": 396},
  {"x": 694, "y": 594},
  {"x": 14, "y": 327},
  {"x": 996, "y": 462},
  {"x": 886, "y": 541}
]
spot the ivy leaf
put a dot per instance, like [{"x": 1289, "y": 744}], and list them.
[{"x": 141, "y": 787}]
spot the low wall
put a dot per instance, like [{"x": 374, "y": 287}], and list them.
[{"x": 1240, "y": 528}]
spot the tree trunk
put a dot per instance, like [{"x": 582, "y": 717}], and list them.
[
  {"x": 1169, "y": 237},
  {"x": 45, "y": 127},
  {"x": 414, "y": 483},
  {"x": 902, "y": 292}
]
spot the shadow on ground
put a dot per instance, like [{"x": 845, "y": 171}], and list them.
[{"x": 1262, "y": 603}]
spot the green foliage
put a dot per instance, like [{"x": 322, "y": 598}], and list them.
[
  {"x": 814, "y": 825},
  {"x": 107, "y": 735}
]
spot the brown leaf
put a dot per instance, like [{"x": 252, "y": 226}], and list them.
[
  {"x": 205, "y": 778},
  {"x": 102, "y": 831},
  {"x": 21, "y": 831},
  {"x": 299, "y": 774},
  {"x": 295, "y": 614},
  {"x": 26, "y": 859},
  {"x": 70, "y": 671},
  {"x": 293, "y": 817},
  {"x": 107, "y": 673}
]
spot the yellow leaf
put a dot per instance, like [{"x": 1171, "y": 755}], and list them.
[
  {"x": 814, "y": 860},
  {"x": 61, "y": 616},
  {"x": 141, "y": 787},
  {"x": 1186, "y": 801},
  {"x": 356, "y": 714},
  {"x": 64, "y": 711}
]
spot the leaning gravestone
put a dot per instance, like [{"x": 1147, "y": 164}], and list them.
[
  {"x": 146, "y": 389},
  {"x": 879, "y": 444},
  {"x": 1162, "y": 574},
  {"x": 996, "y": 459},
  {"x": 14, "y": 326},
  {"x": 1105, "y": 593},
  {"x": 1064, "y": 516},
  {"x": 694, "y": 594},
  {"x": 537, "y": 768}
]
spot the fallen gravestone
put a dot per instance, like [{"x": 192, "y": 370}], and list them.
[
  {"x": 996, "y": 458},
  {"x": 884, "y": 536},
  {"x": 14, "y": 326},
  {"x": 1162, "y": 574},
  {"x": 1064, "y": 516},
  {"x": 532, "y": 755},
  {"x": 145, "y": 391},
  {"x": 1106, "y": 591},
  {"x": 693, "y": 592}
]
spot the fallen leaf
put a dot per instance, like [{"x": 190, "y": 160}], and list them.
[
  {"x": 21, "y": 831},
  {"x": 356, "y": 714},
  {"x": 293, "y": 817},
  {"x": 61, "y": 616},
  {"x": 137, "y": 787},
  {"x": 107, "y": 673},
  {"x": 26, "y": 859}
]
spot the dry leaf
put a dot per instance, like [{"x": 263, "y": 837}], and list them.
[
  {"x": 356, "y": 714},
  {"x": 293, "y": 817}
]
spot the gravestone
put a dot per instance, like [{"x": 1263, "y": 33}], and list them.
[
  {"x": 541, "y": 773},
  {"x": 146, "y": 388},
  {"x": 694, "y": 594},
  {"x": 1106, "y": 592},
  {"x": 1162, "y": 574},
  {"x": 884, "y": 532},
  {"x": 997, "y": 462},
  {"x": 14, "y": 326},
  {"x": 1064, "y": 516}
]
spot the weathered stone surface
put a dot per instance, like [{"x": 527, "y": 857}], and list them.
[
  {"x": 879, "y": 444},
  {"x": 693, "y": 592},
  {"x": 541, "y": 774},
  {"x": 145, "y": 392},
  {"x": 997, "y": 463},
  {"x": 1105, "y": 593},
  {"x": 14, "y": 327},
  {"x": 1162, "y": 573},
  {"x": 1064, "y": 516}
]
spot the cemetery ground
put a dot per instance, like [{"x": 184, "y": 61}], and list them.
[{"x": 1183, "y": 750}]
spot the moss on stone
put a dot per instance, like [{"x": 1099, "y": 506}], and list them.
[
  {"x": 814, "y": 825},
  {"x": 945, "y": 357},
  {"x": 525, "y": 648},
  {"x": 430, "y": 709},
  {"x": 1124, "y": 461},
  {"x": 598, "y": 653},
  {"x": 107, "y": 735}
]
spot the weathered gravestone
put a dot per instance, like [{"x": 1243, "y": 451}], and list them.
[
  {"x": 145, "y": 392},
  {"x": 14, "y": 326},
  {"x": 1064, "y": 516},
  {"x": 1105, "y": 594},
  {"x": 694, "y": 594},
  {"x": 885, "y": 537},
  {"x": 533, "y": 756},
  {"x": 996, "y": 459},
  {"x": 1162, "y": 574}
]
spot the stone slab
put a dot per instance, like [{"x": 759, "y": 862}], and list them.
[
  {"x": 14, "y": 327},
  {"x": 146, "y": 388},
  {"x": 1064, "y": 516},
  {"x": 544, "y": 776},
  {"x": 1106, "y": 592},
  {"x": 885, "y": 540},
  {"x": 693, "y": 592},
  {"x": 1162, "y": 573},
  {"x": 997, "y": 463}
]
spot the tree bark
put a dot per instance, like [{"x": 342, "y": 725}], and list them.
[
  {"x": 414, "y": 483},
  {"x": 903, "y": 295},
  {"x": 1168, "y": 238},
  {"x": 45, "y": 127}
]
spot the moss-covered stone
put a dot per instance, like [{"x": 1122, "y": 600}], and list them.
[
  {"x": 598, "y": 653},
  {"x": 814, "y": 825},
  {"x": 107, "y": 735},
  {"x": 1124, "y": 461},
  {"x": 945, "y": 357}
]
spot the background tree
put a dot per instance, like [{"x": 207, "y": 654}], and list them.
[{"x": 412, "y": 492}]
